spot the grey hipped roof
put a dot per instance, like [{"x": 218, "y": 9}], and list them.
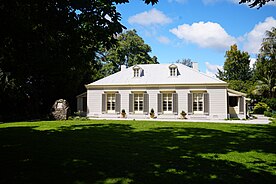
[{"x": 157, "y": 74}]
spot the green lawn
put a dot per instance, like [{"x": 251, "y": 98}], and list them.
[{"x": 104, "y": 151}]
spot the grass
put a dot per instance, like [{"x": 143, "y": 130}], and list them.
[{"x": 102, "y": 151}]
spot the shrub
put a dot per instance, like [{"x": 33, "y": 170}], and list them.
[
  {"x": 260, "y": 108},
  {"x": 152, "y": 113},
  {"x": 123, "y": 113},
  {"x": 268, "y": 114},
  {"x": 271, "y": 102},
  {"x": 183, "y": 114}
]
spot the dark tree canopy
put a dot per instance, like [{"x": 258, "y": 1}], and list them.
[
  {"x": 187, "y": 62},
  {"x": 255, "y": 3},
  {"x": 236, "y": 70},
  {"x": 265, "y": 68},
  {"x": 48, "y": 50},
  {"x": 236, "y": 65},
  {"x": 129, "y": 50}
]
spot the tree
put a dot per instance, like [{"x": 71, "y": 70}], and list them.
[
  {"x": 266, "y": 65},
  {"x": 254, "y": 3},
  {"x": 129, "y": 50},
  {"x": 187, "y": 62},
  {"x": 236, "y": 70},
  {"x": 48, "y": 50},
  {"x": 236, "y": 65}
]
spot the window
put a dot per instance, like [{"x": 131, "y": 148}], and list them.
[
  {"x": 173, "y": 70},
  {"x": 198, "y": 103},
  {"x": 136, "y": 71},
  {"x": 138, "y": 103},
  {"x": 167, "y": 102},
  {"x": 110, "y": 103}
]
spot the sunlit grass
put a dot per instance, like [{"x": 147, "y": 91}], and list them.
[{"x": 105, "y": 151}]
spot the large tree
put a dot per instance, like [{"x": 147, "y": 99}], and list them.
[
  {"x": 129, "y": 50},
  {"x": 255, "y": 3},
  {"x": 186, "y": 61},
  {"x": 236, "y": 70},
  {"x": 265, "y": 68},
  {"x": 236, "y": 65},
  {"x": 47, "y": 50}
]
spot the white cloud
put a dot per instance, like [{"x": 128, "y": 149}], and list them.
[
  {"x": 254, "y": 38},
  {"x": 163, "y": 39},
  {"x": 152, "y": 17},
  {"x": 206, "y": 35},
  {"x": 252, "y": 62},
  {"x": 211, "y": 69}
]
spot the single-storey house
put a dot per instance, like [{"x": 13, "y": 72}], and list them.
[{"x": 168, "y": 89}]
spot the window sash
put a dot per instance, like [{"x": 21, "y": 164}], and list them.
[
  {"x": 172, "y": 71},
  {"x": 198, "y": 103},
  {"x": 138, "y": 103},
  {"x": 136, "y": 72},
  {"x": 167, "y": 103},
  {"x": 110, "y": 103}
]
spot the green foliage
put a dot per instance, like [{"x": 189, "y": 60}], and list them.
[
  {"x": 266, "y": 64},
  {"x": 129, "y": 50},
  {"x": 242, "y": 86},
  {"x": 152, "y": 113},
  {"x": 48, "y": 51},
  {"x": 236, "y": 65},
  {"x": 268, "y": 113},
  {"x": 255, "y": 3},
  {"x": 260, "y": 108},
  {"x": 271, "y": 102}
]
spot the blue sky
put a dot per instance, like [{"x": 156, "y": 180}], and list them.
[{"x": 201, "y": 30}]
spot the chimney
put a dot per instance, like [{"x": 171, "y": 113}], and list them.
[
  {"x": 195, "y": 66},
  {"x": 123, "y": 67}
]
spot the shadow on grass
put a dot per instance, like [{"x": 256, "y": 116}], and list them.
[{"x": 115, "y": 153}]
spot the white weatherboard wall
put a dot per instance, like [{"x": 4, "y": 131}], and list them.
[
  {"x": 182, "y": 100},
  {"x": 125, "y": 99},
  {"x": 94, "y": 103},
  {"x": 153, "y": 99},
  {"x": 218, "y": 103}
]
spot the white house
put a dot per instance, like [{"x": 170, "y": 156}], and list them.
[{"x": 168, "y": 89}]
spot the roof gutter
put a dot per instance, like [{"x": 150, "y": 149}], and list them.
[{"x": 89, "y": 86}]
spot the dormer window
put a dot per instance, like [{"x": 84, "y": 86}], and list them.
[
  {"x": 173, "y": 70},
  {"x": 136, "y": 71}
]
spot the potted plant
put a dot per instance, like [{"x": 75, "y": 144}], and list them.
[
  {"x": 183, "y": 115},
  {"x": 123, "y": 113},
  {"x": 152, "y": 113}
]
